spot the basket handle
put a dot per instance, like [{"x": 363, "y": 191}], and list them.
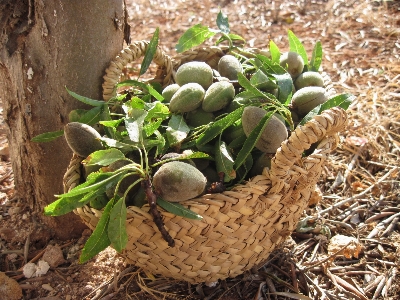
[
  {"x": 323, "y": 128},
  {"x": 130, "y": 54}
]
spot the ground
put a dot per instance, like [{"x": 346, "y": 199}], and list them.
[{"x": 360, "y": 183}]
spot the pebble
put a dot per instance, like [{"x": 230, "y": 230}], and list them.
[
  {"x": 53, "y": 256},
  {"x": 47, "y": 287},
  {"x": 10, "y": 288}
]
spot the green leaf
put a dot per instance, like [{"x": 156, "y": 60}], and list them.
[
  {"x": 251, "y": 140},
  {"x": 275, "y": 53},
  {"x": 229, "y": 37},
  {"x": 117, "y": 225},
  {"x": 267, "y": 66},
  {"x": 245, "y": 97},
  {"x": 246, "y": 84},
  {"x": 161, "y": 143},
  {"x": 177, "y": 130},
  {"x": 311, "y": 114},
  {"x": 184, "y": 157},
  {"x": 245, "y": 168},
  {"x": 156, "y": 110},
  {"x": 92, "y": 116},
  {"x": 222, "y": 23},
  {"x": 154, "y": 93},
  {"x": 47, "y": 136},
  {"x": 134, "y": 124},
  {"x": 157, "y": 86},
  {"x": 237, "y": 142},
  {"x": 235, "y": 37},
  {"x": 224, "y": 161},
  {"x": 194, "y": 36},
  {"x": 316, "y": 58},
  {"x": 149, "y": 54},
  {"x": 76, "y": 114},
  {"x": 178, "y": 209},
  {"x": 262, "y": 96},
  {"x": 285, "y": 84},
  {"x": 135, "y": 103},
  {"x": 132, "y": 82},
  {"x": 98, "y": 241},
  {"x": 196, "y": 154},
  {"x": 104, "y": 157},
  {"x": 95, "y": 182},
  {"x": 219, "y": 126},
  {"x": 63, "y": 206},
  {"x": 125, "y": 146},
  {"x": 85, "y": 100},
  {"x": 99, "y": 202},
  {"x": 111, "y": 123},
  {"x": 261, "y": 81},
  {"x": 296, "y": 46},
  {"x": 150, "y": 128},
  {"x": 343, "y": 101},
  {"x": 106, "y": 116}
]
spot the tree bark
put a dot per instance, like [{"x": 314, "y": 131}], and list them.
[{"x": 46, "y": 46}]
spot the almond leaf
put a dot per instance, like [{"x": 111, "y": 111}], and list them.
[
  {"x": 99, "y": 240},
  {"x": 178, "y": 209},
  {"x": 194, "y": 36},
  {"x": 117, "y": 227}
]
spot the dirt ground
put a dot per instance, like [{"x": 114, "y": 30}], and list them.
[{"x": 360, "y": 184}]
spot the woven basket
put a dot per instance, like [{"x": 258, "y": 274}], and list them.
[{"x": 240, "y": 227}]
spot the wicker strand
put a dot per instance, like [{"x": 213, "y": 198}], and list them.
[
  {"x": 326, "y": 124},
  {"x": 130, "y": 54}
]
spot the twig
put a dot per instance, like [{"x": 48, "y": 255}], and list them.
[
  {"x": 294, "y": 278},
  {"x": 387, "y": 263},
  {"x": 351, "y": 166},
  {"x": 26, "y": 248},
  {"x": 373, "y": 284},
  {"x": 11, "y": 252},
  {"x": 342, "y": 224},
  {"x": 347, "y": 286},
  {"x": 57, "y": 273},
  {"x": 328, "y": 258},
  {"x": 379, "y": 287},
  {"x": 388, "y": 284},
  {"x": 152, "y": 200},
  {"x": 391, "y": 226},
  {"x": 320, "y": 291},
  {"x": 103, "y": 287},
  {"x": 382, "y": 225},
  {"x": 314, "y": 253},
  {"x": 348, "y": 212},
  {"x": 271, "y": 286},
  {"x": 107, "y": 287},
  {"x": 378, "y": 216},
  {"x": 366, "y": 191}
]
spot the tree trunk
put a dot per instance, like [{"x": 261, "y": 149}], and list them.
[{"x": 46, "y": 46}]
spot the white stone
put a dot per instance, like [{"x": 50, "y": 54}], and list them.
[
  {"x": 29, "y": 270},
  {"x": 42, "y": 268},
  {"x": 30, "y": 73}
]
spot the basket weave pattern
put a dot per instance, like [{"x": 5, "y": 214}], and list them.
[{"x": 240, "y": 227}]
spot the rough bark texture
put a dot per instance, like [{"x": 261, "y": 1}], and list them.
[{"x": 46, "y": 46}]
